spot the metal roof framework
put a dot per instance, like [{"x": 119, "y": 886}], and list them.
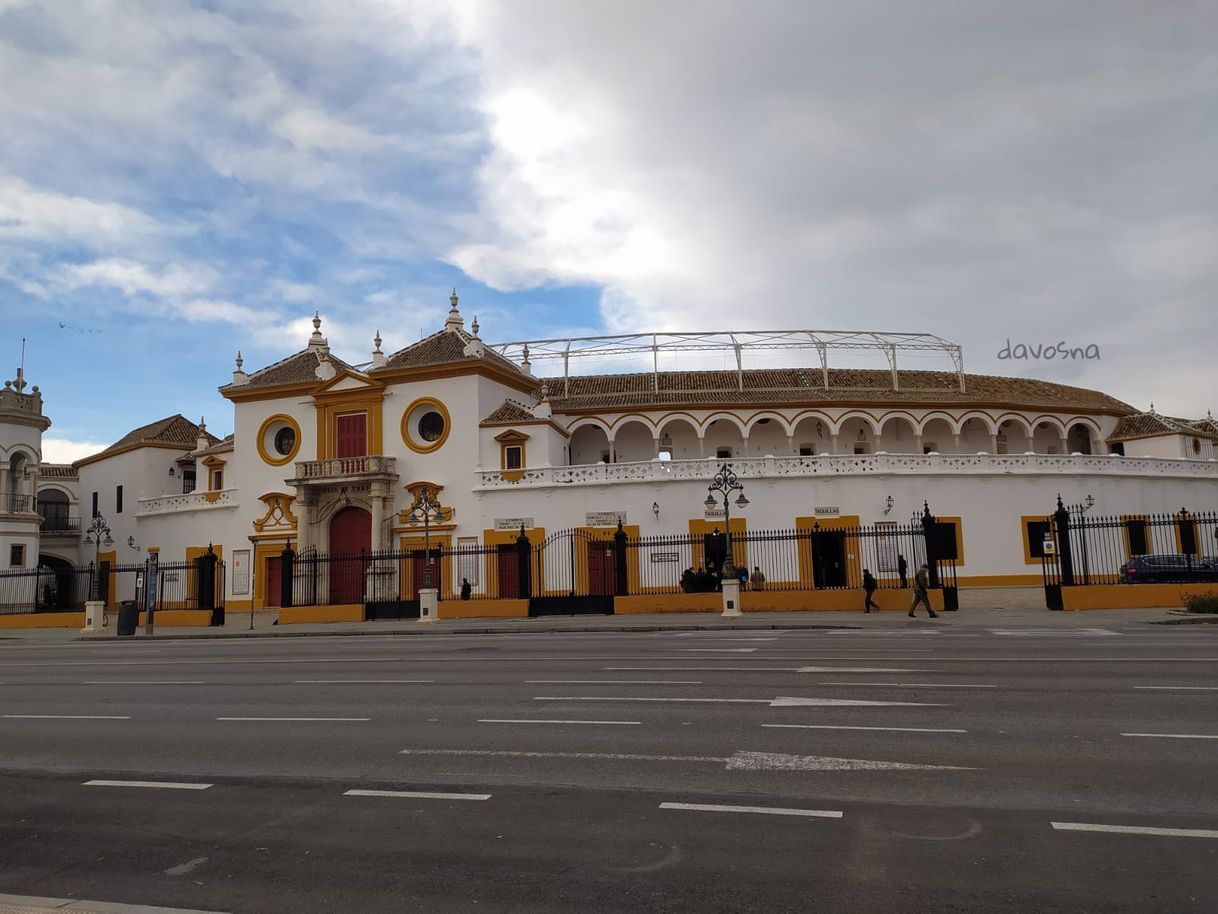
[{"x": 737, "y": 342}]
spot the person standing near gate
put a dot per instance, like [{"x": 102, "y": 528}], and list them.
[
  {"x": 758, "y": 579},
  {"x": 869, "y": 586},
  {"x": 921, "y": 583},
  {"x": 903, "y": 571}
]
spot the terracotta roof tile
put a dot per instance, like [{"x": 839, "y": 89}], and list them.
[
  {"x": 444, "y": 347},
  {"x": 58, "y": 471},
  {"x": 295, "y": 369},
  {"x": 803, "y": 386},
  {"x": 1148, "y": 425},
  {"x": 171, "y": 430},
  {"x": 512, "y": 412}
]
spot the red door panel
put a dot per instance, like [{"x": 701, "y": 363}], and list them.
[
  {"x": 274, "y": 581},
  {"x": 352, "y": 435},
  {"x": 350, "y": 543}
]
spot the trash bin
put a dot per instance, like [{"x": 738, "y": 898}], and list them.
[
  {"x": 217, "y": 615},
  {"x": 128, "y": 618}
]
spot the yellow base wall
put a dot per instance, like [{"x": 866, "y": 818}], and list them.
[
  {"x": 669, "y": 603},
  {"x": 347, "y": 612},
  {"x": 177, "y": 617},
  {"x": 483, "y": 609},
  {"x": 1131, "y": 596},
  {"x": 44, "y": 620}
]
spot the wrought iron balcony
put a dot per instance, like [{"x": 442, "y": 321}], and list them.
[
  {"x": 11, "y": 503},
  {"x": 338, "y": 468},
  {"x": 59, "y": 524}
]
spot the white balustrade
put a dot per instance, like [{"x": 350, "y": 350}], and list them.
[
  {"x": 192, "y": 501},
  {"x": 345, "y": 466},
  {"x": 854, "y": 465}
]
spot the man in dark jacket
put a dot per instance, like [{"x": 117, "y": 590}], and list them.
[
  {"x": 921, "y": 584},
  {"x": 903, "y": 571},
  {"x": 869, "y": 586}
]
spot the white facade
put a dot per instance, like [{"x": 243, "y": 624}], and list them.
[{"x": 322, "y": 451}]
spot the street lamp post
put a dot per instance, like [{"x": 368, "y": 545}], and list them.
[
  {"x": 97, "y": 534},
  {"x": 725, "y": 483},
  {"x": 426, "y": 509}
]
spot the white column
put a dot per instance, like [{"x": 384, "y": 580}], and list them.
[
  {"x": 378, "y": 521},
  {"x": 304, "y": 518},
  {"x": 1064, "y": 444},
  {"x": 701, "y": 446},
  {"x": 833, "y": 443},
  {"x": 956, "y": 441}
]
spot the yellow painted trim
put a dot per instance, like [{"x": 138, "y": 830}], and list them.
[
  {"x": 265, "y": 549},
  {"x": 112, "y": 558},
  {"x": 959, "y": 530},
  {"x": 668, "y": 603},
  {"x": 276, "y": 501},
  {"x": 524, "y": 383},
  {"x": 178, "y": 617},
  {"x": 491, "y": 538},
  {"x": 430, "y": 446},
  {"x": 298, "y": 615},
  {"x": 508, "y": 439},
  {"x": 44, "y": 620},
  {"x": 1001, "y": 580},
  {"x": 330, "y": 405},
  {"x": 1130, "y": 596},
  {"x": 772, "y": 601},
  {"x": 1178, "y": 522},
  {"x": 854, "y": 563},
  {"x": 1028, "y": 558},
  {"x": 276, "y": 460},
  {"x": 1146, "y": 534}
]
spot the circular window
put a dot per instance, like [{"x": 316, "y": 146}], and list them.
[
  {"x": 278, "y": 440},
  {"x": 285, "y": 441},
  {"x": 425, "y": 425},
  {"x": 431, "y": 426}
]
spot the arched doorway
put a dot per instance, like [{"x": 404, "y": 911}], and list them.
[
  {"x": 57, "y": 584},
  {"x": 350, "y": 543}
]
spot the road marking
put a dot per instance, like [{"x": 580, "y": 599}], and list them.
[
  {"x": 837, "y": 727},
  {"x": 1175, "y": 735},
  {"x": 143, "y": 682},
  {"x": 166, "y": 785},
  {"x": 1136, "y": 830},
  {"x": 619, "y": 723},
  {"x": 416, "y": 795},
  {"x": 315, "y": 719},
  {"x": 716, "y": 650},
  {"x": 779, "y": 702},
  {"x": 857, "y": 669},
  {"x": 185, "y": 869},
  {"x": 912, "y": 685},
  {"x": 1179, "y": 688},
  {"x": 765, "y": 810},
  {"x": 66, "y": 716},
  {"x": 357, "y": 681},
  {"x": 613, "y": 682},
  {"x": 1051, "y": 632},
  {"x": 741, "y": 760}
]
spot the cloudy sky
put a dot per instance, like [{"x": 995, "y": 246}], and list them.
[{"x": 179, "y": 180}]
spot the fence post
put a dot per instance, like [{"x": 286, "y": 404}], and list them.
[
  {"x": 621, "y": 580},
  {"x": 1061, "y": 523},
  {"x": 928, "y": 533},
  {"x": 285, "y": 576},
  {"x": 523, "y": 548},
  {"x": 205, "y": 567}
]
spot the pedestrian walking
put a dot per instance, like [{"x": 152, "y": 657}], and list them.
[
  {"x": 869, "y": 586},
  {"x": 903, "y": 571},
  {"x": 742, "y": 573},
  {"x": 921, "y": 583},
  {"x": 465, "y": 588}
]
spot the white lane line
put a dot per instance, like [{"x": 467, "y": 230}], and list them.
[
  {"x": 886, "y": 729},
  {"x": 1136, "y": 830},
  {"x": 315, "y": 719},
  {"x": 613, "y": 682},
  {"x": 912, "y": 685},
  {"x": 1175, "y": 735},
  {"x": 357, "y": 681},
  {"x": 416, "y": 795},
  {"x": 66, "y": 716},
  {"x": 764, "y": 810},
  {"x": 779, "y": 702},
  {"x": 143, "y": 682},
  {"x": 165, "y": 785},
  {"x": 716, "y": 650},
  {"x": 1179, "y": 688},
  {"x": 741, "y": 760},
  {"x": 603, "y": 723}
]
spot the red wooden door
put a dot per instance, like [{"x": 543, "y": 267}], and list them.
[
  {"x": 601, "y": 567},
  {"x": 350, "y": 542},
  {"x": 352, "y": 435},
  {"x": 274, "y": 581},
  {"x": 508, "y": 572}
]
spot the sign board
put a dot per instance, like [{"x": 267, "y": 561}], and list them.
[
  {"x": 604, "y": 518},
  {"x": 1048, "y": 547},
  {"x": 513, "y": 523},
  {"x": 241, "y": 571},
  {"x": 154, "y": 560},
  {"x": 713, "y": 513},
  {"x": 665, "y": 557},
  {"x": 827, "y": 510}
]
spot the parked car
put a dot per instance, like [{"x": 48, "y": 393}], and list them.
[{"x": 1152, "y": 569}]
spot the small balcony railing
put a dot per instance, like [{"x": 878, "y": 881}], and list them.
[
  {"x": 11, "y": 503},
  {"x": 55, "y": 523},
  {"x": 337, "y": 467}
]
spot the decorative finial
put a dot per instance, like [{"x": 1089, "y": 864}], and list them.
[
  {"x": 202, "y": 425},
  {"x": 240, "y": 361},
  {"x": 317, "y": 321},
  {"x": 1152, "y": 406},
  {"x": 453, "y": 299},
  {"x": 454, "y": 320},
  {"x": 474, "y": 326},
  {"x": 545, "y": 391},
  {"x": 377, "y": 341}
]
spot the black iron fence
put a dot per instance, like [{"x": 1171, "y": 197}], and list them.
[
  {"x": 1080, "y": 549},
  {"x": 196, "y": 584}
]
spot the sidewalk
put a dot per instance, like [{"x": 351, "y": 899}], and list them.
[{"x": 995, "y": 615}]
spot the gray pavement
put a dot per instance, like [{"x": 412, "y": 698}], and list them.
[{"x": 887, "y": 765}]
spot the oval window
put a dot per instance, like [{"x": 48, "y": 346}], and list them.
[
  {"x": 431, "y": 426},
  {"x": 285, "y": 441}
]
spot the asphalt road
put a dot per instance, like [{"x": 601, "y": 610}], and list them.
[{"x": 910, "y": 766}]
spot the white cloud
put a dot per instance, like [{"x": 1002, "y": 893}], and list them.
[
  {"x": 133, "y": 278},
  {"x": 65, "y": 450},
  {"x": 29, "y": 213}
]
